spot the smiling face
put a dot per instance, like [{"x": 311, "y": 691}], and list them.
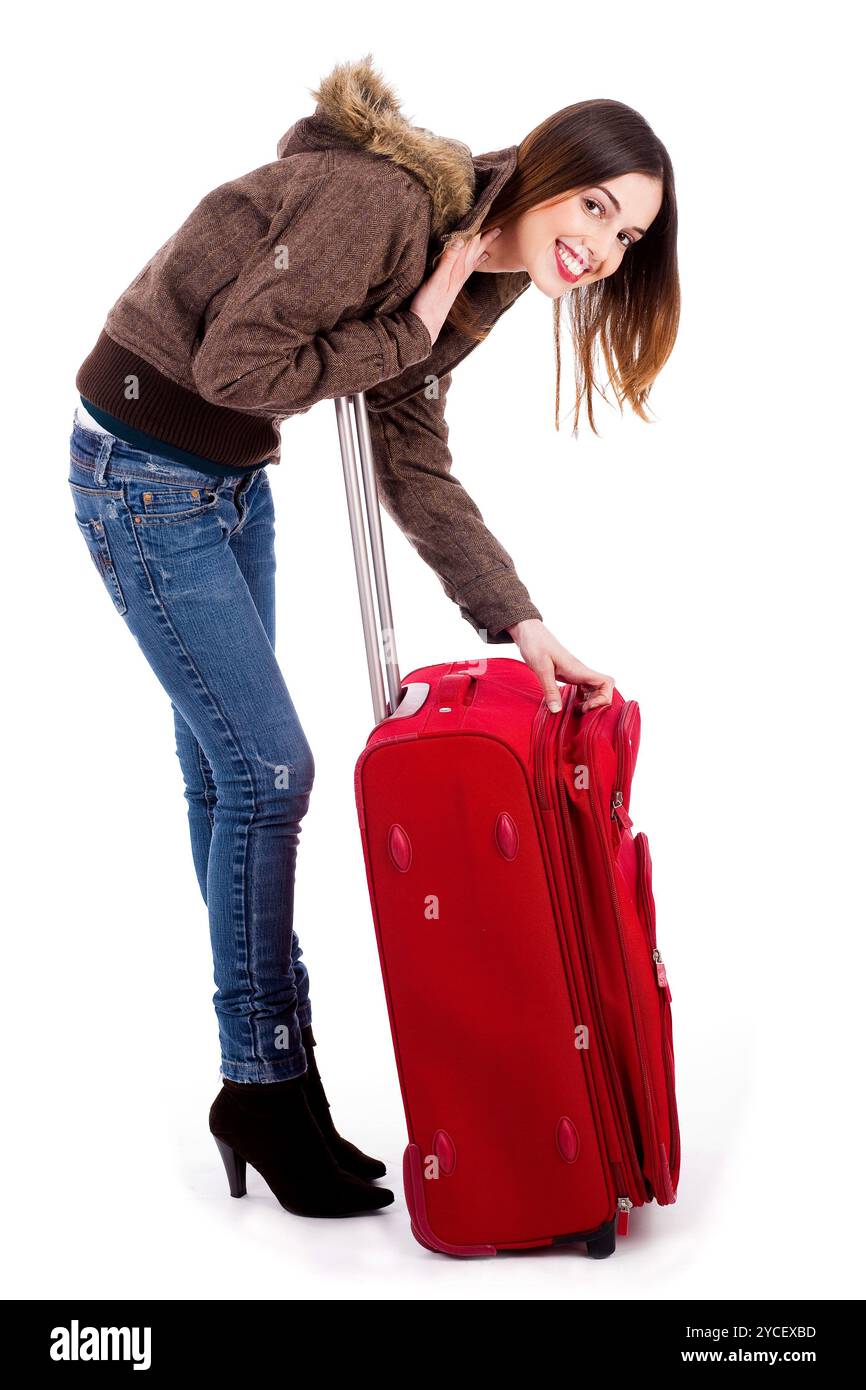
[{"x": 569, "y": 241}]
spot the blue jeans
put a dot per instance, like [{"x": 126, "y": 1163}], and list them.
[{"x": 187, "y": 559}]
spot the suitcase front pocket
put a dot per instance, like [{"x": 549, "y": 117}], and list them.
[{"x": 647, "y": 912}]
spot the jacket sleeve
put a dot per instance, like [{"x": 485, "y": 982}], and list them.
[
  {"x": 436, "y": 514},
  {"x": 289, "y": 332}
]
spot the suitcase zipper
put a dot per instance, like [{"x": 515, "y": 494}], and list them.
[
  {"x": 539, "y": 724},
  {"x": 648, "y": 916},
  {"x": 617, "y": 807},
  {"x": 544, "y": 730},
  {"x": 623, "y": 1207}
]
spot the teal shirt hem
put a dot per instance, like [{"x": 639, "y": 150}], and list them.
[{"x": 151, "y": 445}]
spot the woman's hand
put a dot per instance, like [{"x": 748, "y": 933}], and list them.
[
  {"x": 432, "y": 302},
  {"x": 549, "y": 659}
]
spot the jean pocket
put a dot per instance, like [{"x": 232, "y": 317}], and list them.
[
  {"x": 152, "y": 502},
  {"x": 93, "y": 532}
]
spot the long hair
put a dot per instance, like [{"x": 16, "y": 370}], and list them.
[{"x": 634, "y": 313}]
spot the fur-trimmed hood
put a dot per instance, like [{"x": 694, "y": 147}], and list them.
[{"x": 355, "y": 105}]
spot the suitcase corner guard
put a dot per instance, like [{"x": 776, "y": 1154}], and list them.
[{"x": 413, "y": 1188}]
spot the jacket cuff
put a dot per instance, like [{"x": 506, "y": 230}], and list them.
[
  {"x": 495, "y": 602},
  {"x": 403, "y": 340}
]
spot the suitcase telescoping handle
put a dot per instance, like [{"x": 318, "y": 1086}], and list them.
[{"x": 378, "y": 637}]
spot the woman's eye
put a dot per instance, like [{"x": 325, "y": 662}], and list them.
[{"x": 597, "y": 204}]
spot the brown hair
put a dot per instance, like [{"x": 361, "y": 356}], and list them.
[{"x": 634, "y": 313}]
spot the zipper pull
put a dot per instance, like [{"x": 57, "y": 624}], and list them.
[
  {"x": 623, "y": 1207},
  {"x": 662, "y": 974},
  {"x": 618, "y": 811}
]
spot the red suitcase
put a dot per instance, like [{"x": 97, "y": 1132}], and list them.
[{"x": 514, "y": 915}]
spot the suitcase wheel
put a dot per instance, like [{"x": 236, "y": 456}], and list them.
[{"x": 602, "y": 1245}]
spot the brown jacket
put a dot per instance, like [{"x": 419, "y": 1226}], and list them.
[{"x": 290, "y": 285}]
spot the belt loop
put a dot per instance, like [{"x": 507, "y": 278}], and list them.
[{"x": 106, "y": 444}]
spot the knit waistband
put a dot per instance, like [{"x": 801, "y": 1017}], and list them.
[{"x": 169, "y": 412}]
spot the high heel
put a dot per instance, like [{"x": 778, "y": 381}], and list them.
[
  {"x": 236, "y": 1168},
  {"x": 270, "y": 1127}
]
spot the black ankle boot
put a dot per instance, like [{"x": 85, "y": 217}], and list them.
[
  {"x": 349, "y": 1158},
  {"x": 271, "y": 1127}
]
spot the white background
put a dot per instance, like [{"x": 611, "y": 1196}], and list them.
[{"x": 708, "y": 561}]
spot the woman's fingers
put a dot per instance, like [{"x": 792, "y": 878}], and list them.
[
  {"x": 546, "y": 674},
  {"x": 485, "y": 241},
  {"x": 433, "y": 299},
  {"x": 595, "y": 687},
  {"x": 467, "y": 254},
  {"x": 598, "y": 692},
  {"x": 551, "y": 661}
]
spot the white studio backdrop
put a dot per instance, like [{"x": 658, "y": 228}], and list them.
[{"x": 710, "y": 561}]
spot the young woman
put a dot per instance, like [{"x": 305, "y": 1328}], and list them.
[{"x": 371, "y": 255}]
